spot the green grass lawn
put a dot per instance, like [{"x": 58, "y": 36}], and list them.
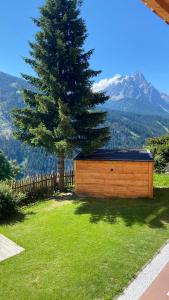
[
  {"x": 161, "y": 180},
  {"x": 88, "y": 249}
]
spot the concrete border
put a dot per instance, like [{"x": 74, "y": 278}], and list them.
[
  {"x": 8, "y": 248},
  {"x": 144, "y": 279}
]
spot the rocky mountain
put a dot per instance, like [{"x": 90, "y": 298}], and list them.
[
  {"x": 10, "y": 97},
  {"x": 136, "y": 111},
  {"x": 133, "y": 94}
]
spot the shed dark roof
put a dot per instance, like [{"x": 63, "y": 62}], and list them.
[{"x": 117, "y": 155}]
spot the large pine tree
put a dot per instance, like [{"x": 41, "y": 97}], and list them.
[{"x": 60, "y": 110}]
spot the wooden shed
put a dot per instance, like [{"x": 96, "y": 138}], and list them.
[{"x": 115, "y": 173}]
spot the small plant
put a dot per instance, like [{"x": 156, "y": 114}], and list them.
[{"x": 8, "y": 201}]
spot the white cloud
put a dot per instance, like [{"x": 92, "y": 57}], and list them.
[{"x": 104, "y": 83}]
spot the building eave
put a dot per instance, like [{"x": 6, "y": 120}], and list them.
[{"x": 159, "y": 7}]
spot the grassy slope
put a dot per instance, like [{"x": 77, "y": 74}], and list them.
[{"x": 83, "y": 250}]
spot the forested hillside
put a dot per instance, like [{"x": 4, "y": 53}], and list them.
[
  {"x": 33, "y": 160},
  {"x": 128, "y": 130}
]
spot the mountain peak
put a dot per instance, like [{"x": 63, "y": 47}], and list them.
[
  {"x": 105, "y": 83},
  {"x": 134, "y": 94},
  {"x": 139, "y": 76}
]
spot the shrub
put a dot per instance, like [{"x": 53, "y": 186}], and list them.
[
  {"x": 159, "y": 163},
  {"x": 8, "y": 201},
  {"x": 159, "y": 146}
]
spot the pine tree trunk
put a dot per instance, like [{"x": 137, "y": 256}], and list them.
[{"x": 61, "y": 165}]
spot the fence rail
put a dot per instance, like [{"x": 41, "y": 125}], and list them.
[{"x": 41, "y": 183}]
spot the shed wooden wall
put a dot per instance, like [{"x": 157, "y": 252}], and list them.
[{"x": 114, "y": 178}]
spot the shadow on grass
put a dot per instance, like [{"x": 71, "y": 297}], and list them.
[
  {"x": 19, "y": 216},
  {"x": 153, "y": 212}
]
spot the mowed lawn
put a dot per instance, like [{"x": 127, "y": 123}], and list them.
[{"x": 83, "y": 249}]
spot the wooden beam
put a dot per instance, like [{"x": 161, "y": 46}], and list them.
[{"x": 159, "y": 7}]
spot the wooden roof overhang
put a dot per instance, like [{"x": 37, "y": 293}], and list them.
[{"x": 160, "y": 7}]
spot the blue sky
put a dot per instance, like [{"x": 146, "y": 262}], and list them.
[{"x": 126, "y": 35}]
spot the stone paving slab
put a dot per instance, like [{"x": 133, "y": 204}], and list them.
[
  {"x": 146, "y": 277},
  {"x": 159, "y": 289},
  {"x": 8, "y": 248}
]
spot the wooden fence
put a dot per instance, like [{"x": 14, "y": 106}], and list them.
[{"x": 41, "y": 183}]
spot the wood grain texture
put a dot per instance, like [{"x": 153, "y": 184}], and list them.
[
  {"x": 151, "y": 177},
  {"x": 114, "y": 179},
  {"x": 160, "y": 7}
]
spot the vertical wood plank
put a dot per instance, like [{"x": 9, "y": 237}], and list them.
[
  {"x": 75, "y": 175},
  {"x": 151, "y": 179}
]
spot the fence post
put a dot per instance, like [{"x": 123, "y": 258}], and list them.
[
  {"x": 54, "y": 181},
  {"x": 33, "y": 186}
]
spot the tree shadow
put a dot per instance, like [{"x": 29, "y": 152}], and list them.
[
  {"x": 18, "y": 217},
  {"x": 152, "y": 212}
]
